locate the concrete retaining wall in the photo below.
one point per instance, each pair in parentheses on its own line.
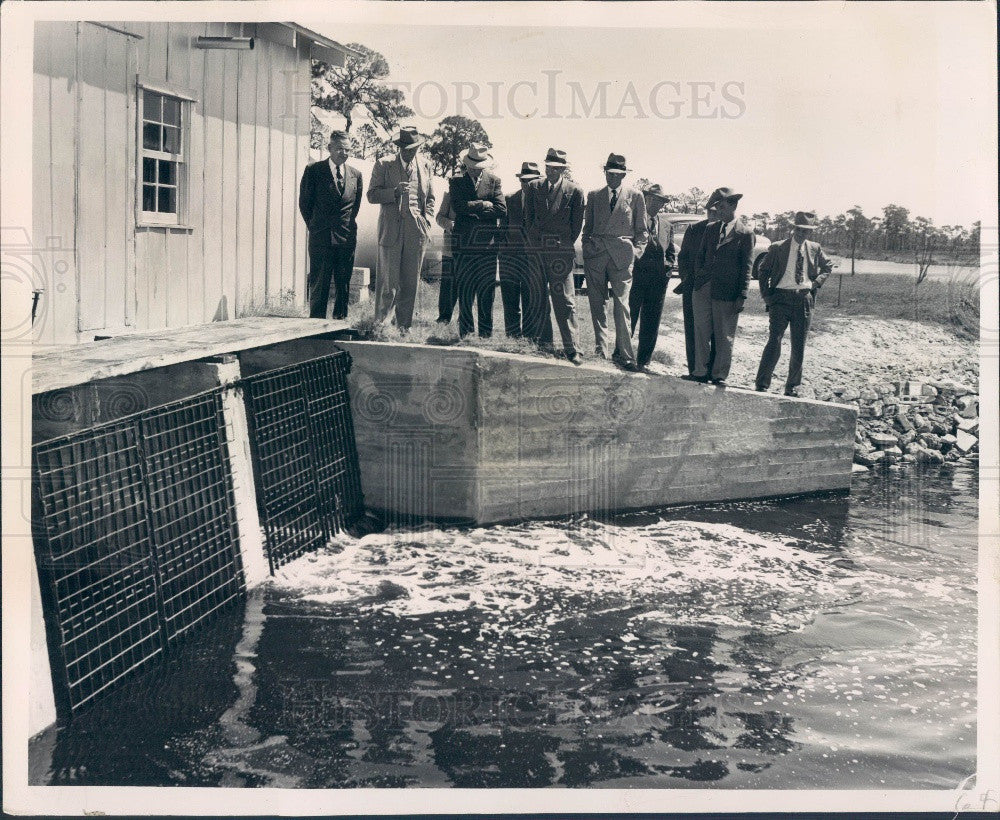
(478,436)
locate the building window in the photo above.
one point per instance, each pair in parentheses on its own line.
(163,138)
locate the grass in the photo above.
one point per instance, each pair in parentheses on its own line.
(951,303)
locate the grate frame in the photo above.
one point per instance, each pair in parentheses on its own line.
(138,542)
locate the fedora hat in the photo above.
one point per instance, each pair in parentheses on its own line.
(475,156)
(555,157)
(616,164)
(655,189)
(720,194)
(529,170)
(806,219)
(408,136)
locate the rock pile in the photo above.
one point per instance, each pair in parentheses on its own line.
(931,422)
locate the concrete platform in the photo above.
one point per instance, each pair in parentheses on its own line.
(479,437)
(65,366)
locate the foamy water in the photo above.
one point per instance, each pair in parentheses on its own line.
(702,572)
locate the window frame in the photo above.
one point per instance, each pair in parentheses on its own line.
(182,159)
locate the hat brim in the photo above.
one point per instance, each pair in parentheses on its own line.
(529,175)
(480,163)
(664,197)
(806,227)
(556,163)
(420,140)
(616,170)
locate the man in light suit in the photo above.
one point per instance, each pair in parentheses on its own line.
(553,218)
(690,245)
(722,280)
(521,285)
(651,274)
(614,236)
(478,203)
(402,186)
(791,273)
(329,199)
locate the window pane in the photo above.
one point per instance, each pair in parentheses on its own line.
(151,137)
(148,170)
(167,201)
(171,111)
(151,106)
(168,172)
(149,197)
(171,139)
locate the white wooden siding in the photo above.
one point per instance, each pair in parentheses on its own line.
(242,245)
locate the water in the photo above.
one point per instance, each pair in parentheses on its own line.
(809,643)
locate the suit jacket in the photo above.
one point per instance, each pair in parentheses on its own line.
(664,235)
(445,219)
(726,265)
(554,226)
(513,234)
(475,227)
(620,231)
(690,246)
(386,175)
(330,214)
(817,266)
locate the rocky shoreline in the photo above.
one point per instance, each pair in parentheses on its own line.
(930,422)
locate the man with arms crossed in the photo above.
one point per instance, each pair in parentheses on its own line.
(790,275)
(402,186)
(651,274)
(690,245)
(614,236)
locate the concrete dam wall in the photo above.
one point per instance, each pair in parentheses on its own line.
(478,436)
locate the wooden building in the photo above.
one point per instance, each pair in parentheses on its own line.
(166,162)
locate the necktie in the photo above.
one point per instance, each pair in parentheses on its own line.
(799,262)
(614,199)
(340,179)
(653,238)
(722,235)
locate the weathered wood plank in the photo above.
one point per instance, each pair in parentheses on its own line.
(217,305)
(195,286)
(69,365)
(243,211)
(229,164)
(118,180)
(258,195)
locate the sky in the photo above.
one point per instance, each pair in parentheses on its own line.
(801,111)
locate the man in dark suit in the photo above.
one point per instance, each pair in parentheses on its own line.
(553,218)
(478,203)
(521,286)
(720,287)
(791,273)
(650,275)
(329,199)
(690,245)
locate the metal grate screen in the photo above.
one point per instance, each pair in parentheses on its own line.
(305,458)
(96,564)
(192,510)
(140,538)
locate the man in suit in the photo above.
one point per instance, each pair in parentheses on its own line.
(553,218)
(447,292)
(690,245)
(791,273)
(721,283)
(401,185)
(329,199)
(479,205)
(521,286)
(614,236)
(651,274)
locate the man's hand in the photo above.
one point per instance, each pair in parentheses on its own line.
(739,304)
(402,190)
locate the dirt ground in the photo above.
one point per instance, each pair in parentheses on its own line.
(852,351)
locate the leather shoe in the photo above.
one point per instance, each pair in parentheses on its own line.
(575,358)
(719,382)
(689,378)
(760,389)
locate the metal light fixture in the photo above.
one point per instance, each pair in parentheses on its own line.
(245,43)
